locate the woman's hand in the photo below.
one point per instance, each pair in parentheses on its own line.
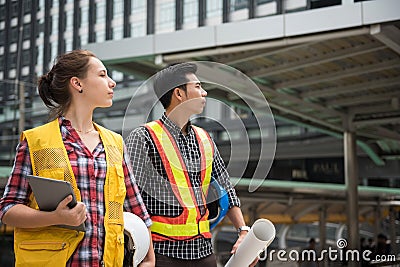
(150,258)
(67,216)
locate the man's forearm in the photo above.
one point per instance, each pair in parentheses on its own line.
(235,215)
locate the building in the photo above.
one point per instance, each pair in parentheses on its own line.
(329,69)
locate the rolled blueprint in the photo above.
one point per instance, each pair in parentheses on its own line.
(260,236)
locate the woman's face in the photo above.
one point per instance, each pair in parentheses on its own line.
(97,86)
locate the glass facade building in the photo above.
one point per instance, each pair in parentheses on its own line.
(34,32)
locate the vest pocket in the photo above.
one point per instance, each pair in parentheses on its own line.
(114,245)
(117,193)
(41,253)
(119,250)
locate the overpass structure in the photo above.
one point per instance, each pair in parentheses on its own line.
(334,69)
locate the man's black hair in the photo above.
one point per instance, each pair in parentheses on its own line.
(382,236)
(171,77)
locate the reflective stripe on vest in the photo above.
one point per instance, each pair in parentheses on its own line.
(49,159)
(190,223)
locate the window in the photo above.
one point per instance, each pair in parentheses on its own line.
(165,16)
(100,12)
(260,2)
(41,5)
(55,4)
(118,8)
(138,19)
(324,3)
(138,5)
(27,31)
(118,32)
(167,13)
(27,6)
(118,20)
(14,35)
(54,24)
(138,29)
(100,21)
(14,9)
(2,37)
(69,23)
(84,16)
(26,57)
(238,4)
(214,8)
(2,12)
(53,50)
(268,7)
(68,44)
(190,11)
(84,25)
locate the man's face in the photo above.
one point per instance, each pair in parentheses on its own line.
(194,97)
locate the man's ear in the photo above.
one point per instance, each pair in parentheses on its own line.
(177,93)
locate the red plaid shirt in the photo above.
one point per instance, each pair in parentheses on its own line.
(90,172)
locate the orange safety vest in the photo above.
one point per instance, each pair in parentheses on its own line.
(53,246)
(190,223)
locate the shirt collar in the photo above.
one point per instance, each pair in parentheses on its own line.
(172,127)
(63,121)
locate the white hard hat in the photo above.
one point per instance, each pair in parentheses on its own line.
(137,239)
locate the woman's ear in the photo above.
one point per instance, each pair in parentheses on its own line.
(75,83)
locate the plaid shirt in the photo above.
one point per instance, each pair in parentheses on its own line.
(90,172)
(156,190)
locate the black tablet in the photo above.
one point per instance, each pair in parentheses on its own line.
(50,192)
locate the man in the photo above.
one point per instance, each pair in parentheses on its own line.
(173,163)
(309,255)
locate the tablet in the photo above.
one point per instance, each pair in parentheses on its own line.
(50,192)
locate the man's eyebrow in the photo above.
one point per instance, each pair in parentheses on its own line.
(195,82)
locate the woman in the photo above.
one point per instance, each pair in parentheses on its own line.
(73,148)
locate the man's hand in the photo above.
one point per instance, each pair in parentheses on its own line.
(236,245)
(238,241)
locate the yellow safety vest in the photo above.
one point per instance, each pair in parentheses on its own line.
(190,223)
(53,246)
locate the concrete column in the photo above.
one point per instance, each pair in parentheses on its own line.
(392,214)
(253,215)
(351,182)
(322,232)
(21,121)
(377,223)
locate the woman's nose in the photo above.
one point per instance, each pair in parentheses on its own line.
(113,83)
